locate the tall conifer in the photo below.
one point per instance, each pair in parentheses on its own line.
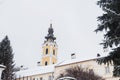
(6,58)
(110,24)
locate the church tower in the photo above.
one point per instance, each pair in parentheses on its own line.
(50,48)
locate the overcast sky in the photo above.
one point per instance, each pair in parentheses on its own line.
(26,23)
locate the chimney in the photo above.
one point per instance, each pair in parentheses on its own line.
(38,63)
(22,67)
(73,56)
(98,55)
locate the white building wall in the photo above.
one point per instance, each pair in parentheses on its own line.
(91,64)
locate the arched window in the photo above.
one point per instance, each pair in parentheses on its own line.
(46,63)
(47,51)
(53,52)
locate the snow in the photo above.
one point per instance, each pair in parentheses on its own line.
(35,71)
(46,69)
(50,68)
(78,58)
(67,78)
(112,11)
(70,61)
(1,66)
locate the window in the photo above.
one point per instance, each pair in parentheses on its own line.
(53,52)
(47,51)
(37,79)
(41,78)
(27,77)
(33,78)
(23,77)
(50,78)
(46,44)
(30,78)
(46,63)
(107,69)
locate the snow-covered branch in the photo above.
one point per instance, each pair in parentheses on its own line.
(112,11)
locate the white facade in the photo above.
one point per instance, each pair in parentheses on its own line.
(53,71)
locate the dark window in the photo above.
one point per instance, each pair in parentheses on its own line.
(50,78)
(46,63)
(46,51)
(27,77)
(53,63)
(53,52)
(41,78)
(46,44)
(30,78)
(33,78)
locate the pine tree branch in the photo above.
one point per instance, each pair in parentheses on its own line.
(108,10)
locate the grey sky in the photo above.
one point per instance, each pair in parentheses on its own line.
(26,23)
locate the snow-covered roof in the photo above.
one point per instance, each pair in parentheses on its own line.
(78,58)
(70,61)
(35,71)
(50,68)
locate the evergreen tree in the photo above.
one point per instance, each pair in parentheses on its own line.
(6,58)
(110,24)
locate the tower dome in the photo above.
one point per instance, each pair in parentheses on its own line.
(50,34)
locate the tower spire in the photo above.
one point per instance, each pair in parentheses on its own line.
(50,48)
(50,25)
(50,34)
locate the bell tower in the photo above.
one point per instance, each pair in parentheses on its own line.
(50,48)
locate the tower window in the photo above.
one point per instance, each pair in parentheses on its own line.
(53,52)
(46,63)
(46,51)
(46,44)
